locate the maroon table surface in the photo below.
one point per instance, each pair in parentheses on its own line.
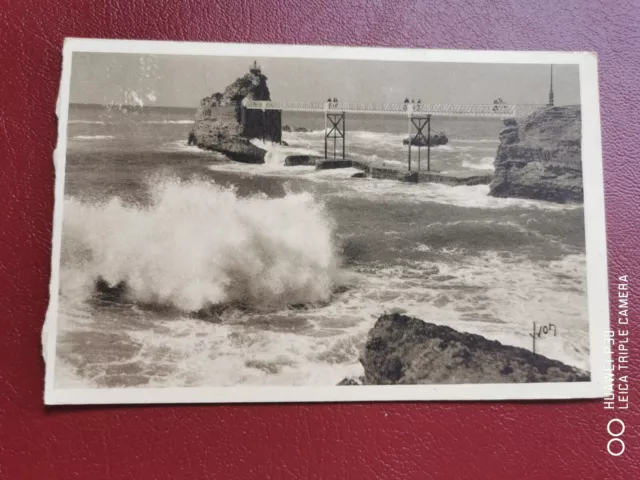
(374,441)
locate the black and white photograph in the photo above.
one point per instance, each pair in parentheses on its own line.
(261,223)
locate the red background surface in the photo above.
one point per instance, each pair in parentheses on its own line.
(373,441)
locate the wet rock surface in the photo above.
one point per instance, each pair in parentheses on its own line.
(224,126)
(540,157)
(406,350)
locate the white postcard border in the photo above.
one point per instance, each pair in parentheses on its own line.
(594,213)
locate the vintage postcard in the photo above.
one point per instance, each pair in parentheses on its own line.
(261,223)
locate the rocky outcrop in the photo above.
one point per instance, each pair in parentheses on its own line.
(394,173)
(435,140)
(223,125)
(349,381)
(540,157)
(330,163)
(287,128)
(300,160)
(404,350)
(455,179)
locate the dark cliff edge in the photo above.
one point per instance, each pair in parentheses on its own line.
(402,350)
(540,158)
(222,125)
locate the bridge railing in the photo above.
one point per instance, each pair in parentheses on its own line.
(409,109)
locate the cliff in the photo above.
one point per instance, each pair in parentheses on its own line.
(540,157)
(222,125)
(405,350)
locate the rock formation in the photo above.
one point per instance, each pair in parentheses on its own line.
(352,381)
(222,125)
(300,160)
(434,139)
(331,163)
(404,350)
(540,157)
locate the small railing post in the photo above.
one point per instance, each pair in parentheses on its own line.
(428,143)
(533,335)
(344,132)
(335,136)
(410,139)
(326,117)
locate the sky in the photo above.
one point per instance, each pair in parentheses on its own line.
(182,80)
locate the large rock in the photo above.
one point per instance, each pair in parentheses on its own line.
(540,157)
(300,160)
(434,139)
(405,350)
(330,163)
(223,125)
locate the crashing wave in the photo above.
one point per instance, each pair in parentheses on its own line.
(198,245)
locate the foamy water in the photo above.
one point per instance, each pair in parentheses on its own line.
(486,163)
(304,267)
(474,196)
(169,122)
(94,137)
(199,245)
(277,154)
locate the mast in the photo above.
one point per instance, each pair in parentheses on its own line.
(550,104)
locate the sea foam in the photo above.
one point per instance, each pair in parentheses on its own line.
(197,244)
(94,137)
(277,154)
(486,163)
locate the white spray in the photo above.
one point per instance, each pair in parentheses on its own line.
(198,244)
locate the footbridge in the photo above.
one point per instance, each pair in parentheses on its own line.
(418,117)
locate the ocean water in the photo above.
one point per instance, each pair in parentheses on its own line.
(299,263)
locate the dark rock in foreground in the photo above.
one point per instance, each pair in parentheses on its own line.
(105,291)
(405,350)
(540,157)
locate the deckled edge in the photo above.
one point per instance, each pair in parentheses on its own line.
(59,161)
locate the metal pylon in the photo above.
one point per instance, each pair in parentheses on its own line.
(337,130)
(419,122)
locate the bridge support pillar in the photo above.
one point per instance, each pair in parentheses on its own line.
(337,130)
(419,123)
